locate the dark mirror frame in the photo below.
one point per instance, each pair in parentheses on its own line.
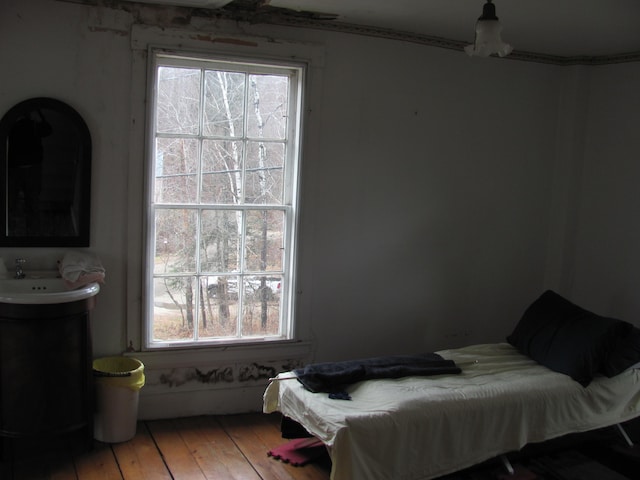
(67,124)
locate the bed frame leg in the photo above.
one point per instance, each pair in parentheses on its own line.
(624,435)
(507,464)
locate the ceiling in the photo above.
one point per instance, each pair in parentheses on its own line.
(566,28)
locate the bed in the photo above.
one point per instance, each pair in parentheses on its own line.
(506,396)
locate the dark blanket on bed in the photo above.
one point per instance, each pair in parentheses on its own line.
(334,376)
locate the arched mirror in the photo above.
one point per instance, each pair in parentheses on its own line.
(45,164)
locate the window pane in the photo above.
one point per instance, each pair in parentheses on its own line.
(265,173)
(221,171)
(175,241)
(261,308)
(224,104)
(177,102)
(264,240)
(173,308)
(267,110)
(219,310)
(220,240)
(176,169)
(221,174)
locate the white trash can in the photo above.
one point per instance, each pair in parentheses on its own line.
(117,381)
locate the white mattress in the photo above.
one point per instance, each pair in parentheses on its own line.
(424,427)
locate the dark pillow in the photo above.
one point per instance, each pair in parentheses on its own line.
(625,353)
(567,338)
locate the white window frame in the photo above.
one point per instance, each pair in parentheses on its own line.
(290,205)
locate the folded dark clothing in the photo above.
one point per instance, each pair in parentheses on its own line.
(334,376)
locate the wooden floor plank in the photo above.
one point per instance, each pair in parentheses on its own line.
(49,467)
(175,452)
(255,435)
(243,434)
(98,464)
(215,452)
(62,471)
(272,437)
(139,458)
(54,460)
(197,448)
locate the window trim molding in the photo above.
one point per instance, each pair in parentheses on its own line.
(221,44)
(188,357)
(158,57)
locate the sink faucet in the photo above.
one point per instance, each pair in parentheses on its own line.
(19,272)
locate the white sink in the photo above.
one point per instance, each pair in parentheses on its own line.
(42,290)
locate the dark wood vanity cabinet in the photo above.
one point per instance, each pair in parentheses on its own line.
(46,378)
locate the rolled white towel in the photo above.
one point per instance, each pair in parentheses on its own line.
(80,268)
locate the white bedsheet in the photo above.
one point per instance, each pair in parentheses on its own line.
(424,427)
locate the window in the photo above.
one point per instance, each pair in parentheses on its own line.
(222,200)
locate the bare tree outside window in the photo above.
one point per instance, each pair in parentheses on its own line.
(221,200)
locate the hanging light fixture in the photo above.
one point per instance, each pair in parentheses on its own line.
(488,40)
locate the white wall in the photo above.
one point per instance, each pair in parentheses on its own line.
(607,247)
(440,192)
(430,205)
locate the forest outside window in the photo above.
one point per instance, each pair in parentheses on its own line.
(222,200)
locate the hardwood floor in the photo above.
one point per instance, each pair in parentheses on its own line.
(230,447)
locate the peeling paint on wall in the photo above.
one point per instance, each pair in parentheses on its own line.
(216,375)
(121,33)
(176,377)
(221,376)
(256,372)
(231,41)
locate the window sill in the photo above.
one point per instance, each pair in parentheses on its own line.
(177,358)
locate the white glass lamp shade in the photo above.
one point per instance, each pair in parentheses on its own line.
(488,40)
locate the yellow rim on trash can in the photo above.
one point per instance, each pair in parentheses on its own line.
(119,371)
